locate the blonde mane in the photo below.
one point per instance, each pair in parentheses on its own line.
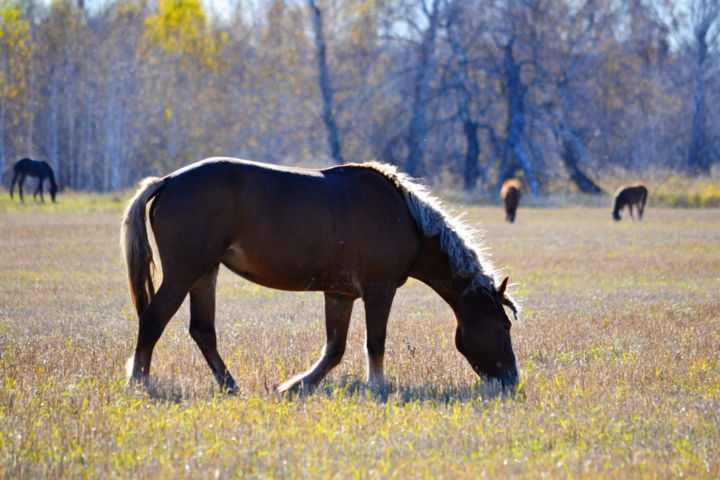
(467,255)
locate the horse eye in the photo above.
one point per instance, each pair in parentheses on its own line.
(499,364)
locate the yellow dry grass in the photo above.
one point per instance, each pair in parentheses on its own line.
(618,346)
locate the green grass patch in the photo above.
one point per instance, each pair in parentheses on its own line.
(67,202)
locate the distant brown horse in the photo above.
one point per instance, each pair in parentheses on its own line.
(352,231)
(33,168)
(511,193)
(629,195)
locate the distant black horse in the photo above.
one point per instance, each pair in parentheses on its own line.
(39,169)
(629,195)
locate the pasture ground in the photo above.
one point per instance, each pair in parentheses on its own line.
(618,345)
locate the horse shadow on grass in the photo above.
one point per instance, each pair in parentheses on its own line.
(428,392)
(178,390)
(175,390)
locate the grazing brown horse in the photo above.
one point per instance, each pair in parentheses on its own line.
(33,168)
(629,195)
(510,193)
(351,231)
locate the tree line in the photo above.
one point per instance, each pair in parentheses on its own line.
(474,91)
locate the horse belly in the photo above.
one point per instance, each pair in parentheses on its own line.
(339,263)
(279,271)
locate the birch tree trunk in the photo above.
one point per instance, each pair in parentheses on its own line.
(2,138)
(418,133)
(53,138)
(514,154)
(324,84)
(464,98)
(701,153)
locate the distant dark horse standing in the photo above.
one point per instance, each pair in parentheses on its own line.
(351,231)
(511,193)
(33,168)
(629,195)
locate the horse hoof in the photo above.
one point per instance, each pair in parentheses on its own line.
(295,386)
(288,387)
(231,390)
(133,385)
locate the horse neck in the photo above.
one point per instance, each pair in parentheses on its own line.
(618,204)
(51,177)
(44,170)
(432,267)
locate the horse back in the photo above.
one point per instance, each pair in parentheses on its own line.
(286,227)
(34,168)
(24,165)
(633,193)
(511,187)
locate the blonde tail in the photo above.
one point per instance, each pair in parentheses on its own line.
(136,246)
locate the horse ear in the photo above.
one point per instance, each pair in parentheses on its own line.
(509,303)
(502,287)
(506,300)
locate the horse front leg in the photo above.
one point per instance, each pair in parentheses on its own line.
(202,328)
(377,312)
(338,309)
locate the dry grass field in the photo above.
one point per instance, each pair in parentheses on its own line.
(618,345)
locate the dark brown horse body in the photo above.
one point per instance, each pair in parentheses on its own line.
(630,195)
(353,231)
(33,168)
(511,193)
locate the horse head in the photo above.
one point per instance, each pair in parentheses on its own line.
(53,191)
(483,334)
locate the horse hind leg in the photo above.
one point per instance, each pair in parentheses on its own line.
(40,191)
(202,328)
(338,309)
(152,322)
(12,184)
(20,187)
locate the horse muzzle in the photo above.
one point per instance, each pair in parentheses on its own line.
(509,379)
